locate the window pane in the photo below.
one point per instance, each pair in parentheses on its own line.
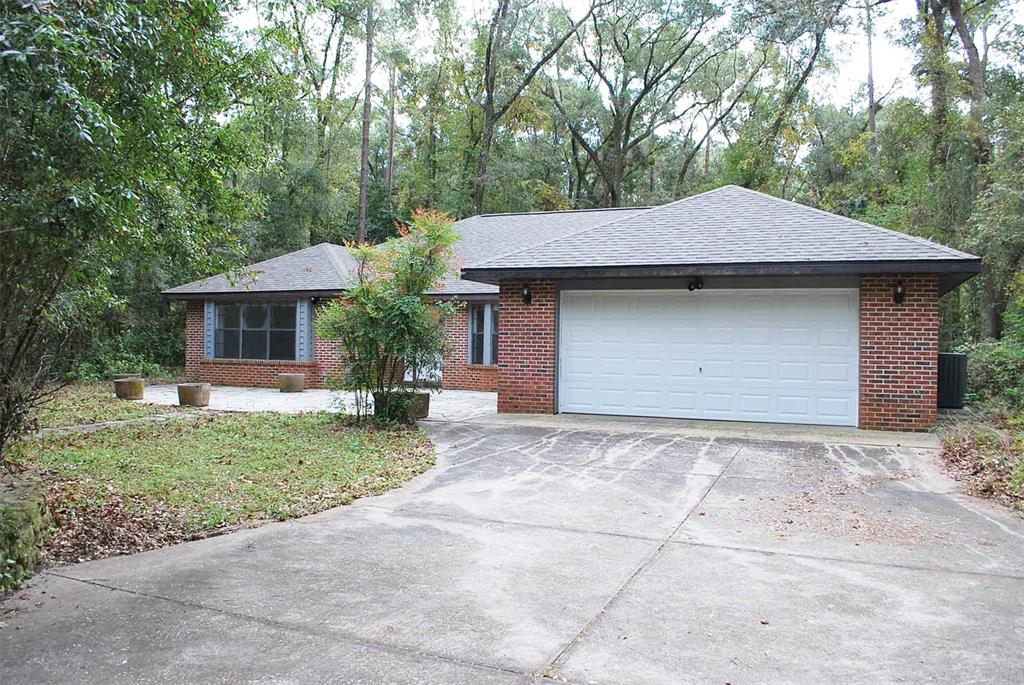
(476,334)
(282,344)
(494,336)
(282,316)
(476,352)
(226,344)
(227,315)
(254,316)
(254,344)
(477,315)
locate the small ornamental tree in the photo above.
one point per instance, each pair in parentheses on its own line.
(385,323)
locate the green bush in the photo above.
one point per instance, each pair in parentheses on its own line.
(995,372)
(104,360)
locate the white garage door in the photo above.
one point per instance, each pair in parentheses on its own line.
(782,355)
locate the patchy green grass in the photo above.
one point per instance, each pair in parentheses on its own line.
(141,486)
(83,403)
(987,453)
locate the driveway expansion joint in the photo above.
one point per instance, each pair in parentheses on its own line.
(559,658)
(290,627)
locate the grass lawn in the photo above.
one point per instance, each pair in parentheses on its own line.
(82,403)
(141,486)
(987,453)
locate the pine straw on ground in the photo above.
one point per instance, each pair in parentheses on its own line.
(986,453)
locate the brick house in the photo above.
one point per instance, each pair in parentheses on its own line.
(730,304)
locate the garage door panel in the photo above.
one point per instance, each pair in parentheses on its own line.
(765,355)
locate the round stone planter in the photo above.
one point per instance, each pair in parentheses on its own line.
(122,376)
(129,388)
(194,394)
(291,382)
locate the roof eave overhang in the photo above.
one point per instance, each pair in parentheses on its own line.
(952,272)
(251,295)
(468,297)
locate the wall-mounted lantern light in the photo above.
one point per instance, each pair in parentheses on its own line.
(696,284)
(527,294)
(899,292)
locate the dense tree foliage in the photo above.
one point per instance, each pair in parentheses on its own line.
(147,143)
(117,149)
(520,106)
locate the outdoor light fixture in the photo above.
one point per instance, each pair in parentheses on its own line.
(696,284)
(527,294)
(899,292)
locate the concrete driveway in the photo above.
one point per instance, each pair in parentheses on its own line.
(586,551)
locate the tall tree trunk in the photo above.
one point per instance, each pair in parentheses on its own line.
(976,77)
(869,30)
(993,299)
(390,173)
(493,110)
(364,158)
(482,162)
(934,18)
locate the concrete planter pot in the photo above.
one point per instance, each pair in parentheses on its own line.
(122,376)
(291,382)
(401,407)
(194,394)
(129,388)
(420,405)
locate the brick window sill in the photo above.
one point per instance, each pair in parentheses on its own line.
(482,366)
(260,362)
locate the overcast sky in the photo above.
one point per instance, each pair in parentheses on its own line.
(850,53)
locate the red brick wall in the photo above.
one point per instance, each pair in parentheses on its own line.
(330,364)
(899,353)
(527,348)
(194,343)
(457,373)
(254,373)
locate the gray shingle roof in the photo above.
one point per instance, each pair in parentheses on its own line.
(730,225)
(324,267)
(488,236)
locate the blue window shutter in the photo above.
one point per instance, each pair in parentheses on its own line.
(209,322)
(303,330)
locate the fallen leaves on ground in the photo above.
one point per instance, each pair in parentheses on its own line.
(987,455)
(139,487)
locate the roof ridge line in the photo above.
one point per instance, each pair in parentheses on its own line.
(906,236)
(593,228)
(560,211)
(333,259)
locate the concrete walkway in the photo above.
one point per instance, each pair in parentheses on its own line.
(582,553)
(446,405)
